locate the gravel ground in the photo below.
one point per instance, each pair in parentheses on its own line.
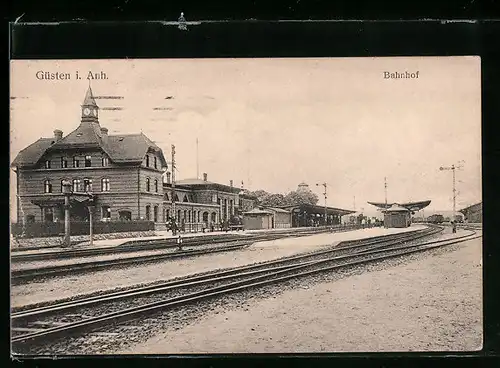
(425,302)
(373,318)
(80,284)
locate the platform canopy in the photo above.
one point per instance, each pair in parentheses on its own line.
(411,206)
(318,209)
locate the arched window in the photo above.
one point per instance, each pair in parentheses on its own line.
(156,186)
(105,161)
(147,185)
(47,185)
(64,162)
(76,162)
(77,183)
(147,160)
(88,161)
(106,213)
(148,212)
(155,162)
(47,164)
(155,214)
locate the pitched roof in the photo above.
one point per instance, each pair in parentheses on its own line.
(193,181)
(130,147)
(120,148)
(275,209)
(87,133)
(31,154)
(257,211)
(396,208)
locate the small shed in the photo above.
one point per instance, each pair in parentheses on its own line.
(282,218)
(397,216)
(258,219)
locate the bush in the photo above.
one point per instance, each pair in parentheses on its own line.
(45,229)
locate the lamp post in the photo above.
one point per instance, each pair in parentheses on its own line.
(66,189)
(91,207)
(326,212)
(453,168)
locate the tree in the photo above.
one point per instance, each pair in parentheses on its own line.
(273,200)
(297,198)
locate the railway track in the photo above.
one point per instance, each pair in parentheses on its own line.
(27,274)
(154,244)
(46,323)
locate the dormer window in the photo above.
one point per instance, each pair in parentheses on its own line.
(76,162)
(147,160)
(47,164)
(155,162)
(64,162)
(47,185)
(105,161)
(88,161)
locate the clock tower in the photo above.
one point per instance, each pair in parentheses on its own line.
(90,110)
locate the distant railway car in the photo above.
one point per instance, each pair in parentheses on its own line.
(435,219)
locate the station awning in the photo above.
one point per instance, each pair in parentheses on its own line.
(310,209)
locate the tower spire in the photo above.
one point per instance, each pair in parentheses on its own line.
(89,98)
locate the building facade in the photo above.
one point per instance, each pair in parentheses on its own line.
(126,176)
(123,173)
(474,213)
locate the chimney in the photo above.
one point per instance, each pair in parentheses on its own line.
(104,133)
(204,176)
(58,134)
(231,183)
(168,177)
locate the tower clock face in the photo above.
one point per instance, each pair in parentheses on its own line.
(86,111)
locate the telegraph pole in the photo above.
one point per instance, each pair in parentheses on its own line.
(385,190)
(453,168)
(324,193)
(197,161)
(385,207)
(174,221)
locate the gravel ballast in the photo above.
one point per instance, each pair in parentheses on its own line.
(429,301)
(80,284)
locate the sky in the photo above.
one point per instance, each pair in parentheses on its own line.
(273,123)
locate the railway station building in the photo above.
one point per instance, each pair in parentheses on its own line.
(125,175)
(474,213)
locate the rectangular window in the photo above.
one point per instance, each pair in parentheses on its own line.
(155,214)
(88,161)
(76,162)
(105,187)
(87,185)
(47,186)
(156,186)
(155,162)
(147,185)
(148,213)
(64,162)
(47,164)
(105,161)
(147,160)
(76,185)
